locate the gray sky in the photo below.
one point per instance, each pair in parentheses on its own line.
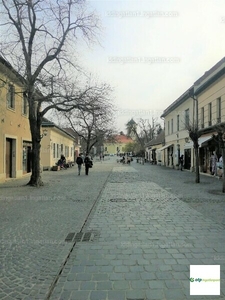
(153,51)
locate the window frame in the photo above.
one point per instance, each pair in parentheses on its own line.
(10,96)
(202,117)
(210,114)
(187,117)
(178,122)
(25,105)
(218,109)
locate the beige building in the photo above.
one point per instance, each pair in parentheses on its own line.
(15,136)
(176,117)
(153,151)
(202,104)
(55,141)
(209,91)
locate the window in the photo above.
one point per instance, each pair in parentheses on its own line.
(178,122)
(57,150)
(25,104)
(66,151)
(106,148)
(210,114)
(171,125)
(11,96)
(218,110)
(187,117)
(61,148)
(168,127)
(71,153)
(202,117)
(54,150)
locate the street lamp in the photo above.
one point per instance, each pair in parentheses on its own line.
(44,133)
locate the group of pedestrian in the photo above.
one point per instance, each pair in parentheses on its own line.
(87,162)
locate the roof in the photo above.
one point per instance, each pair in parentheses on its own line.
(47,123)
(71,131)
(6,64)
(178,102)
(123,139)
(210,76)
(159,139)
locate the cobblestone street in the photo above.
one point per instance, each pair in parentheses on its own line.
(34,224)
(148,225)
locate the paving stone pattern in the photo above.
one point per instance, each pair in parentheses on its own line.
(34,224)
(149,237)
(149,224)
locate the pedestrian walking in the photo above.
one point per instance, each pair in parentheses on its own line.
(213,161)
(88,164)
(79,162)
(181,162)
(220,170)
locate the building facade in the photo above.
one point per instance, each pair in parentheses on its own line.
(15,136)
(209,91)
(55,142)
(202,105)
(152,149)
(118,146)
(177,117)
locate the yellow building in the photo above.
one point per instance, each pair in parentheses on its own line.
(15,136)
(55,141)
(118,145)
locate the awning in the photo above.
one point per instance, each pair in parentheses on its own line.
(204,139)
(167,146)
(201,141)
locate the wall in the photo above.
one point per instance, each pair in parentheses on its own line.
(13,124)
(57,137)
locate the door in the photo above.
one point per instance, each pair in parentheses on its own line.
(8,161)
(187,159)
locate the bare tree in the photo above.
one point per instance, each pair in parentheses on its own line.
(37,39)
(194,135)
(94,123)
(143,131)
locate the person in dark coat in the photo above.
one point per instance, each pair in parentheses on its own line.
(181,162)
(79,162)
(87,163)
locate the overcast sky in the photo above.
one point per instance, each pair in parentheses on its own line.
(153,51)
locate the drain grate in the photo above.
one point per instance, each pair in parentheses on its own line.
(87,236)
(69,237)
(78,237)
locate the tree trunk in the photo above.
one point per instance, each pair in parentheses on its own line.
(197,174)
(35,127)
(35,179)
